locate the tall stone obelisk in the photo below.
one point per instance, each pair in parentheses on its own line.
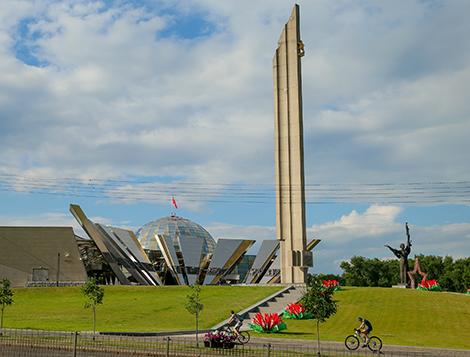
(289,153)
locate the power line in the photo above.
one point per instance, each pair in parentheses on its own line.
(438,192)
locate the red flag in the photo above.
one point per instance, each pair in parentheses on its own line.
(173,202)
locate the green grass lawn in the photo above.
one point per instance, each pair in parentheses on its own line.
(136,309)
(399,316)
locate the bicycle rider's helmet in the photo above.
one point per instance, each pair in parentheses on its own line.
(360,318)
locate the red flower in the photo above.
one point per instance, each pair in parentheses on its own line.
(266,321)
(295,309)
(428,284)
(330,283)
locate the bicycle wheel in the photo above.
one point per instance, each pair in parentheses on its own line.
(243,337)
(375,344)
(351,342)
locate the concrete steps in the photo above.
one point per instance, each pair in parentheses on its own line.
(274,305)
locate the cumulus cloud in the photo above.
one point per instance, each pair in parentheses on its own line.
(225,230)
(254,232)
(379,96)
(51,219)
(133,103)
(365,234)
(109,90)
(59,219)
(356,233)
(374,222)
(46,219)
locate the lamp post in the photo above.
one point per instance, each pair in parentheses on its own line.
(58,269)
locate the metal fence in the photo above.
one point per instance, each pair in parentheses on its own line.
(24,343)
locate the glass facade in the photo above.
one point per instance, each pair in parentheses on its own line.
(177,228)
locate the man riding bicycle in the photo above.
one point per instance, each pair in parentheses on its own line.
(364,329)
(235,322)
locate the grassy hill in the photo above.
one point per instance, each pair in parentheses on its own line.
(399,316)
(127,308)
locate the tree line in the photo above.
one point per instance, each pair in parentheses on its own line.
(452,275)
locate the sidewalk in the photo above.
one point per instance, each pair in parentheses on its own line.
(406,350)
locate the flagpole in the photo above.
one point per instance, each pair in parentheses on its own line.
(174,204)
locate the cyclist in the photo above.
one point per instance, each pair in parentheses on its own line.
(236,322)
(364,329)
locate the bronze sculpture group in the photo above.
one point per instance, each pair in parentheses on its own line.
(402,254)
(407,277)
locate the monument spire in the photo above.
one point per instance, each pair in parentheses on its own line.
(289,153)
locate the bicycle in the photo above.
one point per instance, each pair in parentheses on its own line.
(352,342)
(242,337)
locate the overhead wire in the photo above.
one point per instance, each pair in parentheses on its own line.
(437,192)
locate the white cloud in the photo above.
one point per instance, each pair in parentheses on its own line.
(364,234)
(225,230)
(134,102)
(230,231)
(375,221)
(352,234)
(56,219)
(50,219)
(385,100)
(46,220)
(385,89)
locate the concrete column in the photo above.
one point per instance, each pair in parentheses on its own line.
(289,161)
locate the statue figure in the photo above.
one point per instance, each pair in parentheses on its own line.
(402,254)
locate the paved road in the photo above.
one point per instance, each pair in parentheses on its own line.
(338,348)
(386,350)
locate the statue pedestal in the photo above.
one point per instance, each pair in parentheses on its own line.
(401,286)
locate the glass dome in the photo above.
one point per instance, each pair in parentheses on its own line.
(176,228)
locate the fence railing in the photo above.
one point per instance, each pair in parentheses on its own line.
(24,343)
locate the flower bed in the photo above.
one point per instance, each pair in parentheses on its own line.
(331,284)
(296,311)
(219,339)
(429,285)
(468,291)
(267,323)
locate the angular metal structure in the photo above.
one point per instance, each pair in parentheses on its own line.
(168,250)
(191,251)
(289,161)
(272,274)
(227,254)
(120,249)
(141,268)
(263,260)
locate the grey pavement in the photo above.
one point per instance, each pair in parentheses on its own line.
(335,348)
(386,349)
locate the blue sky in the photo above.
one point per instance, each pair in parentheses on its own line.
(118,105)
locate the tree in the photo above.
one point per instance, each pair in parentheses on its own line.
(194,306)
(452,275)
(6,298)
(362,271)
(94,296)
(318,300)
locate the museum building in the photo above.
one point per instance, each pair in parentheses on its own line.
(168,251)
